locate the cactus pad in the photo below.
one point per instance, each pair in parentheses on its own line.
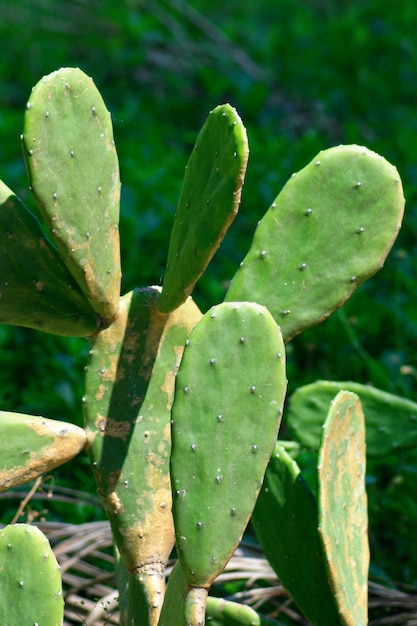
(74,175)
(208,202)
(183,605)
(391,421)
(30,580)
(32,446)
(328,231)
(129,392)
(343,516)
(226,413)
(36,289)
(222,612)
(285,522)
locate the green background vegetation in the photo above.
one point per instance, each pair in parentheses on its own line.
(304,75)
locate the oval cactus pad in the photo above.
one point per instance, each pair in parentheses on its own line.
(30,579)
(74,175)
(343,515)
(391,421)
(227,407)
(33,445)
(328,231)
(208,203)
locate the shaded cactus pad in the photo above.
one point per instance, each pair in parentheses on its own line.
(37,290)
(285,520)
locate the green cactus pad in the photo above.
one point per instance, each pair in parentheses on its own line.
(183,604)
(343,516)
(36,288)
(30,579)
(285,521)
(208,202)
(129,392)
(328,231)
(226,413)
(74,175)
(391,421)
(222,612)
(32,446)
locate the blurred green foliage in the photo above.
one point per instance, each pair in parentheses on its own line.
(303,76)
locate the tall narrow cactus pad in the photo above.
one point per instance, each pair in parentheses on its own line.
(74,174)
(391,421)
(208,202)
(30,580)
(36,288)
(226,413)
(129,392)
(32,446)
(343,518)
(285,521)
(328,231)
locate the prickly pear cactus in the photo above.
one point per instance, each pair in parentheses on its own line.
(328,231)
(319,549)
(37,290)
(343,515)
(30,579)
(32,446)
(74,175)
(391,421)
(129,392)
(285,520)
(208,202)
(225,418)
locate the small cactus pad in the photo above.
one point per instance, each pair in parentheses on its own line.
(328,231)
(225,418)
(183,605)
(343,516)
(30,579)
(36,288)
(391,421)
(129,393)
(32,446)
(208,202)
(220,612)
(74,175)
(285,521)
